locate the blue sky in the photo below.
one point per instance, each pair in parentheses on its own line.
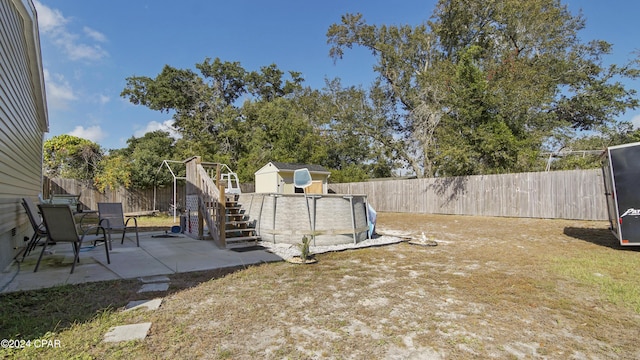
(89,48)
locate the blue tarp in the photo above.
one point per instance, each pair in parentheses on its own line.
(372,219)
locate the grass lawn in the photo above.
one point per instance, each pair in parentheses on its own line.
(145,223)
(492,288)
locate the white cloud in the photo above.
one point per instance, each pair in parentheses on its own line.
(81,51)
(59,92)
(103,99)
(49,20)
(93,133)
(94,34)
(635,121)
(167,126)
(53,24)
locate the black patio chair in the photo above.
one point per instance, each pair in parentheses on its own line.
(39,230)
(61,227)
(112,219)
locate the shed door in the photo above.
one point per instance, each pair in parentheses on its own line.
(315,187)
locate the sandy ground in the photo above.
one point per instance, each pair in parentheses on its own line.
(491,288)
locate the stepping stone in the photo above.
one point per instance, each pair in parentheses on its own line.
(127,332)
(154,287)
(154,279)
(141,304)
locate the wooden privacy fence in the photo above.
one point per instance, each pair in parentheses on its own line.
(574,194)
(133,200)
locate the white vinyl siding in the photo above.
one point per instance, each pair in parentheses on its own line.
(22,122)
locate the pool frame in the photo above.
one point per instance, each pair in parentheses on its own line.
(329,219)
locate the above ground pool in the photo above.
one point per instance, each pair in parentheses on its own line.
(330,219)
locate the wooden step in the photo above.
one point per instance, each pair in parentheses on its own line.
(239,222)
(238,234)
(239,230)
(242,239)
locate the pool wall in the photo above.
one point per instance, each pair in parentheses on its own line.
(285,218)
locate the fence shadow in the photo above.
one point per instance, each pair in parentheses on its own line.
(602,237)
(449,188)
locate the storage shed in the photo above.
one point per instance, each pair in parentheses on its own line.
(277,177)
(23,122)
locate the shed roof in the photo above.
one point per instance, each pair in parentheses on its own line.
(293,167)
(281,166)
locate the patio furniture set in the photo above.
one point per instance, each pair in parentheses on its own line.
(56,220)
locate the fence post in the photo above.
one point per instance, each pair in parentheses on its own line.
(221,219)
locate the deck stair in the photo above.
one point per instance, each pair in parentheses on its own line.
(239,229)
(214,190)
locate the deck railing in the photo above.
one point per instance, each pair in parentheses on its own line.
(211,198)
(213,206)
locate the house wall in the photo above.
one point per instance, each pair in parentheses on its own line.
(270,179)
(267,182)
(23,121)
(287,182)
(316,187)
(319,185)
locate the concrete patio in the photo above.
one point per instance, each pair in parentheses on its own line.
(157,255)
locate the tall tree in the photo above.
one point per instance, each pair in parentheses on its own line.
(136,165)
(482,86)
(71,157)
(205,105)
(359,131)
(275,131)
(409,89)
(145,155)
(114,170)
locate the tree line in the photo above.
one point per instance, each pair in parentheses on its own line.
(481,87)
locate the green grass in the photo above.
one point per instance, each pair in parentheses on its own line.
(79,315)
(157,221)
(614,273)
(145,223)
(33,314)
